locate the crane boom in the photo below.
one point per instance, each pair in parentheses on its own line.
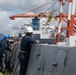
(27,15)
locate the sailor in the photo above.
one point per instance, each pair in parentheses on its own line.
(5,46)
(11,40)
(13,44)
(12,36)
(1,55)
(25,47)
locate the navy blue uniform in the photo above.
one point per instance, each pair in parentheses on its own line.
(23,56)
(1,55)
(5,54)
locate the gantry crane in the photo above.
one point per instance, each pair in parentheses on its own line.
(70,20)
(44,14)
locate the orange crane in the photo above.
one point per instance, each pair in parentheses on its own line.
(27,15)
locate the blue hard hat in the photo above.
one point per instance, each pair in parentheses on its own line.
(9,36)
(5,37)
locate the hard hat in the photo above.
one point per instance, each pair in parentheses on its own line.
(28,29)
(13,35)
(5,37)
(9,36)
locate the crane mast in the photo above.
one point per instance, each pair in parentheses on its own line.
(70,20)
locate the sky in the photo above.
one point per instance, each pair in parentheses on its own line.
(11,7)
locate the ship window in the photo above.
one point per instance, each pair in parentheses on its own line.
(36,24)
(35,28)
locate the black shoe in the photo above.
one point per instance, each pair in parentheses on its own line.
(0,69)
(3,70)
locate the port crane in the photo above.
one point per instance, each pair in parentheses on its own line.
(70,21)
(61,17)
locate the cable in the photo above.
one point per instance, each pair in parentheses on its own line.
(51,7)
(41,6)
(37,8)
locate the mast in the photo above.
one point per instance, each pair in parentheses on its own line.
(70,41)
(60,20)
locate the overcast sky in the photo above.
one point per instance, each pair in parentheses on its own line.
(10,7)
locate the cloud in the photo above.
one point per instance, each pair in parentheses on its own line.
(23,5)
(8,26)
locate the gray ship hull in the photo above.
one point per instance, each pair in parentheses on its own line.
(51,60)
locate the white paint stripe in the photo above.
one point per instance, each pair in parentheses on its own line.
(61,8)
(59,28)
(74,25)
(69,11)
(73,7)
(74,29)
